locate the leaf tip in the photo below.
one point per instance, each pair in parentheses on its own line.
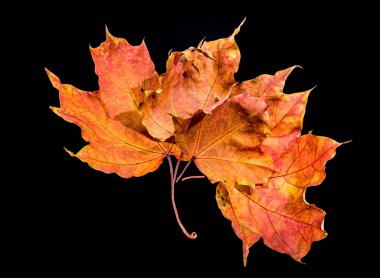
(55,81)
(49,73)
(108,34)
(307,92)
(237,30)
(301,262)
(201,43)
(286,72)
(69,152)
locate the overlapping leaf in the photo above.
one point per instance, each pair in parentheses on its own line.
(225,145)
(114,147)
(286,111)
(196,79)
(277,211)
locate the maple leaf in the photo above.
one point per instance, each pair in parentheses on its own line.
(126,75)
(225,145)
(286,111)
(277,211)
(114,147)
(196,79)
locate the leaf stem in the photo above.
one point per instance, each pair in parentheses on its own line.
(170,167)
(176,168)
(183,171)
(173,181)
(193,177)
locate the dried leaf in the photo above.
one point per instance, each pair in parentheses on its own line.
(196,79)
(114,147)
(277,211)
(265,84)
(286,111)
(247,236)
(126,73)
(225,145)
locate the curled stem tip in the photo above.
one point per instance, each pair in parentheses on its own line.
(173,175)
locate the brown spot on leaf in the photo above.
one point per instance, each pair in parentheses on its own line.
(243,188)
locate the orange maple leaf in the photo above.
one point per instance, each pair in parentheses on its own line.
(196,79)
(286,111)
(277,211)
(225,145)
(126,74)
(114,147)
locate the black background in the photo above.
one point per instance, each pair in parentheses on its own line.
(91,222)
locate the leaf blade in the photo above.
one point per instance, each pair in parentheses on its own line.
(196,79)
(113,147)
(277,211)
(125,73)
(225,144)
